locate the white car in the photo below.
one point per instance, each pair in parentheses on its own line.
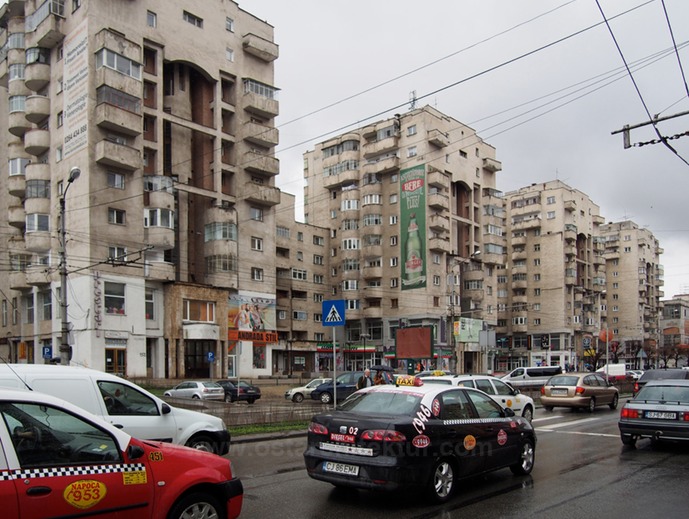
(501,392)
(297,394)
(197,389)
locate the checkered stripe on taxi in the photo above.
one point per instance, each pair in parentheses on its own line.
(465,421)
(71,471)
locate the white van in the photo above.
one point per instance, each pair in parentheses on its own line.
(121,403)
(531,376)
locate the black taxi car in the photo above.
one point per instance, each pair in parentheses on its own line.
(414,435)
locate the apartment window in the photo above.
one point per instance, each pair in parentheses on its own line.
(115,180)
(551,215)
(16,71)
(4,312)
(47,301)
(229,54)
(229,24)
(318,240)
(28,304)
(537,322)
(37,222)
(411,130)
(411,151)
(37,189)
(107,58)
(318,298)
(116,216)
(282,314)
(393,240)
(537,277)
(627,249)
(350,284)
(199,311)
(615,308)
(550,200)
(372,199)
(393,198)
(349,205)
(221,263)
(318,279)
(256,243)
(150,304)
(299,316)
(76,4)
(159,218)
(114,297)
(352,304)
(537,247)
(317,318)
(220,231)
(519,321)
(393,261)
(256,213)
(333,213)
(151,19)
(436,280)
(256,274)
(350,244)
(436,259)
(194,20)
(537,291)
(393,219)
(283,232)
(317,259)
(300,236)
(299,274)
(17,104)
(117,254)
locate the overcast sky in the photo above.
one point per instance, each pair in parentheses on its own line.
(549,113)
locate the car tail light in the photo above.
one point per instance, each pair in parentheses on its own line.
(317,428)
(685,417)
(543,390)
(579,390)
(383,435)
(636,387)
(630,413)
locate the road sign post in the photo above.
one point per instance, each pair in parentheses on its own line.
(333,313)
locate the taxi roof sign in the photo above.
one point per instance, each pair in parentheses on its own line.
(408,381)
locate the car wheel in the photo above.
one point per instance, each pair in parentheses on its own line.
(527,457)
(442,481)
(298,398)
(528,413)
(195,397)
(201,443)
(615,400)
(198,505)
(628,439)
(326,398)
(592,405)
(549,408)
(251,400)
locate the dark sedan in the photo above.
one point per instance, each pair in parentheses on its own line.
(660,374)
(660,411)
(240,391)
(425,436)
(346,385)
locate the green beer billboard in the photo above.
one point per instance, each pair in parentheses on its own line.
(413,226)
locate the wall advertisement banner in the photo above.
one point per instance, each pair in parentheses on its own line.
(413,226)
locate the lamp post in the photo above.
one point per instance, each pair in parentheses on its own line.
(64,337)
(365,336)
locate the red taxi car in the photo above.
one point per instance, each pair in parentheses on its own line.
(57,460)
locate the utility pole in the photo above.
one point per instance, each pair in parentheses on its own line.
(64,337)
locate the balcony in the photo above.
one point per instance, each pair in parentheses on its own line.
(37,108)
(16,185)
(17,124)
(439,245)
(161,238)
(223,280)
(439,223)
(438,201)
(348,177)
(492,165)
(111,117)
(372,251)
(380,147)
(37,141)
(372,312)
(260,134)
(256,162)
(262,106)
(262,195)
(529,223)
(372,272)
(44,25)
(373,292)
(18,280)
(113,154)
(38,171)
(260,47)
(37,241)
(570,205)
(438,179)
(383,165)
(16,216)
(36,76)
(159,271)
(37,275)
(438,138)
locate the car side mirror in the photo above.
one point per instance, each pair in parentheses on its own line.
(165,409)
(509,413)
(135,452)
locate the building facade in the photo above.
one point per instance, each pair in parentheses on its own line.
(170,227)
(409,200)
(674,329)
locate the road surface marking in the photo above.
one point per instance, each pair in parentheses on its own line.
(566,424)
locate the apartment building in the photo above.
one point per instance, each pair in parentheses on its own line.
(551,291)
(170,227)
(633,291)
(674,328)
(408,200)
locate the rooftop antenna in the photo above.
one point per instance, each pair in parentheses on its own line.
(412,100)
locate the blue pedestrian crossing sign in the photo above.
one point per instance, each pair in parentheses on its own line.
(333,312)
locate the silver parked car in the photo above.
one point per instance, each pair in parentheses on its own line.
(197,389)
(297,394)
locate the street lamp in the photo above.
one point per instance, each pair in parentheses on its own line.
(365,336)
(64,340)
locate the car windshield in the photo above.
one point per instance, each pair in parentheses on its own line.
(563,380)
(210,384)
(664,394)
(378,402)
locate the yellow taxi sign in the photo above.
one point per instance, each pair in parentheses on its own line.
(408,380)
(85,493)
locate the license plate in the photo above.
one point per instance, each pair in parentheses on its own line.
(661,416)
(341,468)
(558,392)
